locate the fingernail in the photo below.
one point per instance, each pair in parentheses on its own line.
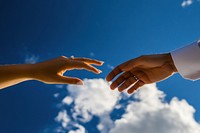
(79,83)
(102,62)
(107,79)
(99,71)
(129,92)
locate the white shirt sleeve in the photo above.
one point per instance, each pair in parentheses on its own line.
(187,60)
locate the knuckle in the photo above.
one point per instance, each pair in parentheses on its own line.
(62,57)
(127,74)
(125,85)
(132,79)
(129,81)
(140,74)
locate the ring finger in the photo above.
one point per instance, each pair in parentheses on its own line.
(130,81)
(120,80)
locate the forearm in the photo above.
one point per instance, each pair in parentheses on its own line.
(14,74)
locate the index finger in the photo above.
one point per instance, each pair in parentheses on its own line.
(117,70)
(83,65)
(90,61)
(113,73)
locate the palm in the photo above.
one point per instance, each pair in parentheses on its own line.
(156,74)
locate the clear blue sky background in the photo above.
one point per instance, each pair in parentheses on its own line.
(114,30)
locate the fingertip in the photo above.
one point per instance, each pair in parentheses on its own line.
(99,63)
(93,69)
(99,71)
(112,87)
(108,78)
(120,90)
(80,83)
(69,80)
(130,91)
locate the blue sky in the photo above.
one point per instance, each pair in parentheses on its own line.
(112,31)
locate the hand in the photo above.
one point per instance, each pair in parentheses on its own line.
(142,70)
(52,71)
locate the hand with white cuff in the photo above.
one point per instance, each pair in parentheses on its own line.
(143,70)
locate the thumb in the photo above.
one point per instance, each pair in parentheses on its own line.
(127,66)
(69,80)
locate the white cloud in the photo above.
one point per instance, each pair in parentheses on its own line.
(56,95)
(118,106)
(94,97)
(150,114)
(186,3)
(146,111)
(105,123)
(31,59)
(63,118)
(80,129)
(67,100)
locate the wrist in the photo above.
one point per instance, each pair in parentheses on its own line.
(27,71)
(19,71)
(32,71)
(171,62)
(23,71)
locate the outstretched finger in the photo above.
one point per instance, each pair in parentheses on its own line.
(126,66)
(141,75)
(134,63)
(129,82)
(136,86)
(68,80)
(83,65)
(90,61)
(119,80)
(113,73)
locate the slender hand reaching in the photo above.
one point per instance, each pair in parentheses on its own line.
(142,70)
(50,72)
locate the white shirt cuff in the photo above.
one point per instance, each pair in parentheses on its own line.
(187,60)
